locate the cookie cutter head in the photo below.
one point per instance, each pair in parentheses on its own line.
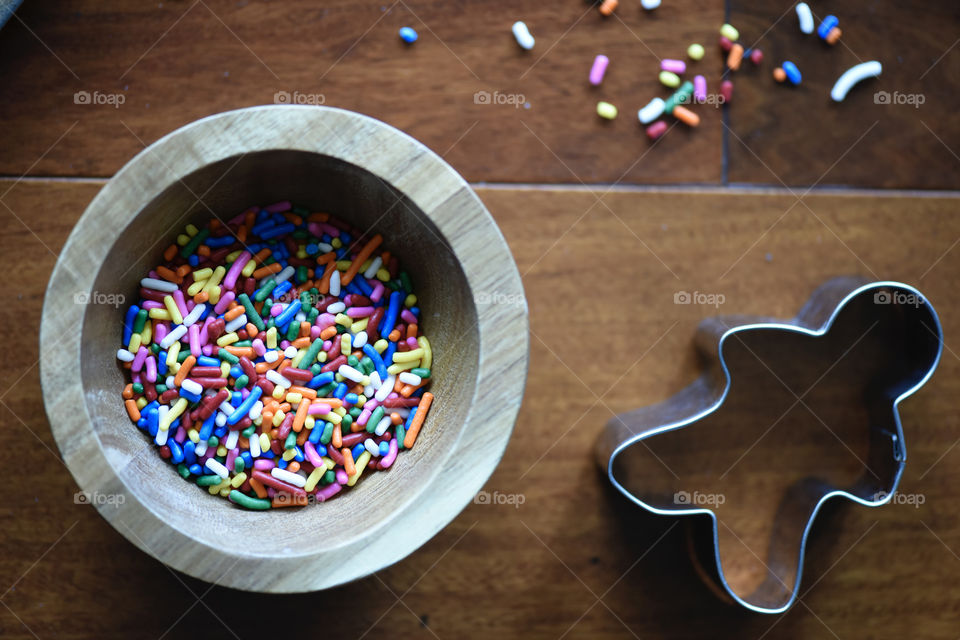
(786,415)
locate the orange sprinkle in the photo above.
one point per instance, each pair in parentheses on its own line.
(203,250)
(301,416)
(327,258)
(170,252)
(201,297)
(168,274)
(324,285)
(394,336)
(263,272)
(293,466)
(252,331)
(337,438)
(234,313)
(301,343)
(183,270)
(318,217)
(417,421)
(132,410)
(328,333)
(241,351)
(348,465)
(127,391)
(258,487)
(365,253)
(411,331)
(184,370)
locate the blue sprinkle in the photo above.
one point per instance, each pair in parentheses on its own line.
(793,74)
(408,35)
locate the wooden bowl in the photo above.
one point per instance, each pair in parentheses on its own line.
(364,172)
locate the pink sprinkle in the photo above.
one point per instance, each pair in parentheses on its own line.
(312,454)
(408,316)
(139,359)
(359,312)
(675,66)
(231,457)
(364,416)
(264,464)
(388,459)
(180,302)
(279,207)
(230,280)
(325,320)
(319,409)
(315,332)
(224,303)
(204,336)
(377,293)
(207,349)
(330,490)
(700,89)
(152,304)
(194,333)
(315,228)
(160,332)
(180,435)
(151,369)
(276,310)
(258,347)
(342,478)
(598,69)
(412,343)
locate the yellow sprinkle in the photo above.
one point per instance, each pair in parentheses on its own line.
(289,454)
(294,398)
(359,325)
(161,314)
(238,480)
(344,320)
(141,402)
(297,358)
(264,442)
(135,341)
(196,287)
(383,275)
(248,269)
(192,230)
(183,239)
(314,478)
(330,464)
(345,340)
(279,415)
(410,300)
(172,309)
(380,345)
(272,338)
(408,356)
(278,392)
(309,423)
(233,255)
(400,367)
(227,338)
(427,358)
(172,354)
(221,451)
(224,370)
(194,435)
(336,243)
(202,274)
(147,333)
(360,464)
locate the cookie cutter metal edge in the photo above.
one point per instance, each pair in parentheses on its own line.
(815,318)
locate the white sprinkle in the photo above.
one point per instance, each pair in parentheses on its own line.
(158,285)
(232,439)
(256,410)
(290,478)
(284,275)
(335,283)
(124,356)
(226,407)
(278,379)
(170,382)
(336,307)
(372,447)
(350,373)
(201,448)
(271,356)
(217,468)
(194,314)
(324,247)
(191,386)
(373,268)
(382,427)
(359,340)
(178,332)
(162,436)
(805,16)
(375,382)
(255,447)
(237,323)
(385,389)
(221,418)
(649,4)
(409,378)
(522,34)
(290,352)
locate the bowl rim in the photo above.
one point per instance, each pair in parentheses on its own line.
(414,171)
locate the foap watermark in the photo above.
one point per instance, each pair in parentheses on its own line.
(98,297)
(497,297)
(699,297)
(711,99)
(899,297)
(98,499)
(697,499)
(896,98)
(297,97)
(485,97)
(497,498)
(912,499)
(99,98)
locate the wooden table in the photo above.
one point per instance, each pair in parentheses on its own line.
(695,212)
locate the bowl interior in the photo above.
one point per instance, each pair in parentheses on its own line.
(361,199)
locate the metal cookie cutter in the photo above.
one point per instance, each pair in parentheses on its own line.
(811,414)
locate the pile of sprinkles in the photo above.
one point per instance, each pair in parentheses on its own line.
(275,358)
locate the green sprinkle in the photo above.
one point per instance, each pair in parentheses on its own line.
(346,422)
(137,387)
(160,388)
(329,476)
(352,361)
(242,382)
(249,431)
(238,465)
(195,242)
(405,281)
(311,355)
(291,441)
(245,501)
(400,432)
(293,330)
(226,356)
(375,419)
(265,289)
(420,371)
(252,316)
(183,471)
(209,480)
(140,320)
(214,442)
(327,433)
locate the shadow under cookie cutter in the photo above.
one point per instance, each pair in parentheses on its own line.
(904,328)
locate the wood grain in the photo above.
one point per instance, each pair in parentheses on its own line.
(798,136)
(590,273)
(177,61)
